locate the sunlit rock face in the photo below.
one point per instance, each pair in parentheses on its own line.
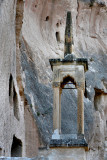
(11,123)
(43,38)
(91,25)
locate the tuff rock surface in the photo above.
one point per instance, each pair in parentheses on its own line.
(25,51)
(42,21)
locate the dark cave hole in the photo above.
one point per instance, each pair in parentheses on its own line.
(0,151)
(10,89)
(97,96)
(16,149)
(58,36)
(57,24)
(47,18)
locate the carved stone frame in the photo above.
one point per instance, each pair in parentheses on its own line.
(76,72)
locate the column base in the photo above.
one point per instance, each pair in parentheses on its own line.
(67,154)
(56,134)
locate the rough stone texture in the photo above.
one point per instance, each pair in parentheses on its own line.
(68,154)
(57,154)
(43,21)
(67,143)
(31,134)
(9,125)
(38,96)
(12,119)
(24,158)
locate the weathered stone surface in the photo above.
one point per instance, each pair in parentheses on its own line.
(9,124)
(90,38)
(13,123)
(67,143)
(68,154)
(43,31)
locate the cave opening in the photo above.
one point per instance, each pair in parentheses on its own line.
(47,18)
(0,151)
(58,36)
(16,149)
(57,24)
(97,96)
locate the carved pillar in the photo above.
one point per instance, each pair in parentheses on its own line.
(56,111)
(80,111)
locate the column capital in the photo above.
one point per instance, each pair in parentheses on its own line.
(56,84)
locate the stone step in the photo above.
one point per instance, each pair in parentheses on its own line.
(17,158)
(22,158)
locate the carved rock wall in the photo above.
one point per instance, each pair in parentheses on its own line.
(15,133)
(10,124)
(43,37)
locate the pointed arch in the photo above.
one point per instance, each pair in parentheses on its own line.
(66,79)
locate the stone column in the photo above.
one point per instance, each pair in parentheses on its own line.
(56,111)
(80,111)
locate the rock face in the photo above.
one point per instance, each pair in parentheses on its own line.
(43,37)
(25,85)
(9,99)
(14,131)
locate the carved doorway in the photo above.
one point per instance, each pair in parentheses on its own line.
(69,106)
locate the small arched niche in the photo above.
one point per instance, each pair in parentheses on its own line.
(58,36)
(16,149)
(47,18)
(0,151)
(68,80)
(69,106)
(13,97)
(10,89)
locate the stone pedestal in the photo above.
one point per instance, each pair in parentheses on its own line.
(67,154)
(63,142)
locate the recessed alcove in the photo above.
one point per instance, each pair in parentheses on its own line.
(47,18)
(16,149)
(57,24)
(10,89)
(97,99)
(58,36)
(13,97)
(0,151)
